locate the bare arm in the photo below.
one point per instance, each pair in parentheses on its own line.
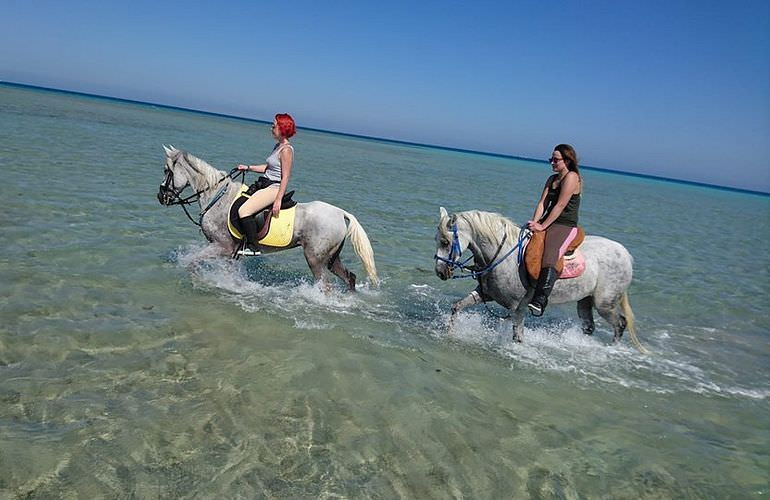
(533,225)
(287,155)
(569,186)
(540,207)
(254,168)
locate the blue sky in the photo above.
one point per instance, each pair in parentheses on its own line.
(670,88)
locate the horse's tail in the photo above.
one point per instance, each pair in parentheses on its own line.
(629,315)
(362,247)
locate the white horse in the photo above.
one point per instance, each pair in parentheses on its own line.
(492,240)
(319,228)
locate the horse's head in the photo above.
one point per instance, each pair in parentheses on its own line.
(452,238)
(175,176)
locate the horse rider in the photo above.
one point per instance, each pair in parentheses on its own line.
(271,186)
(556,213)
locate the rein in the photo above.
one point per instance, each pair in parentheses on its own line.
(195,197)
(455,253)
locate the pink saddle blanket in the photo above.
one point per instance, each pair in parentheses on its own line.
(574,265)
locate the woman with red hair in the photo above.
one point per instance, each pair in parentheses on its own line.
(271,186)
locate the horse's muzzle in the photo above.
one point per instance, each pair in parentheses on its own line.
(442,271)
(165,196)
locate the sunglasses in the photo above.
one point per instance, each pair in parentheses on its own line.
(555,160)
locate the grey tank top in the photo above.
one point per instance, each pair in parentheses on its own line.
(274,172)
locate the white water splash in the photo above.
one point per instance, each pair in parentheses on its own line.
(555,346)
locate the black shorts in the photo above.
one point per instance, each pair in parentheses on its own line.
(261,183)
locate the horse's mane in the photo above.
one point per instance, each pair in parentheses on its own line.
(208,176)
(484,224)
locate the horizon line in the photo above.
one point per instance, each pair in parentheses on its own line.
(387,140)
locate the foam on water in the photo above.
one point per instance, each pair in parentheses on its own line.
(550,345)
(307,303)
(560,346)
(126,371)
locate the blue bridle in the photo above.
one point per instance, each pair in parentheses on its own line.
(455,253)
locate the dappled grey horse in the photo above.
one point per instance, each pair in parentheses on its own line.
(319,228)
(493,240)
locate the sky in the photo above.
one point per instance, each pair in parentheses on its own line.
(678,89)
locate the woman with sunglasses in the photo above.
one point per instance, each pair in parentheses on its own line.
(557,214)
(271,186)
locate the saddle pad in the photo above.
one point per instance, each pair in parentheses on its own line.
(281,227)
(233,225)
(573,266)
(533,256)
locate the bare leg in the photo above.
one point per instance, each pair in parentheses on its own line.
(471,299)
(585,312)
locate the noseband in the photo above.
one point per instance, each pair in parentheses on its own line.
(455,252)
(166,188)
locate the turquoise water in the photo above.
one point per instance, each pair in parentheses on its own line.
(133,366)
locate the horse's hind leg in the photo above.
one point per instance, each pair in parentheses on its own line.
(614,316)
(315,264)
(337,267)
(586,314)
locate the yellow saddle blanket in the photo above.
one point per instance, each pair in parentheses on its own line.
(272,231)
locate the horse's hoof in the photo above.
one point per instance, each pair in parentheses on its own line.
(518,339)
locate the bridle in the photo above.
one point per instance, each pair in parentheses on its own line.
(167,190)
(455,254)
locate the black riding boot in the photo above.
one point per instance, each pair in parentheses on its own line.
(545,282)
(249,224)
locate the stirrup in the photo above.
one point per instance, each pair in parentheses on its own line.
(535,309)
(248,252)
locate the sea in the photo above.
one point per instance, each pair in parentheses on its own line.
(133,364)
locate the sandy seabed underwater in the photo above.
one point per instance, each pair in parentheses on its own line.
(133,366)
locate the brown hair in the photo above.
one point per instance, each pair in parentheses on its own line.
(570,157)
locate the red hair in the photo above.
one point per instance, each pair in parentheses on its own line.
(286,125)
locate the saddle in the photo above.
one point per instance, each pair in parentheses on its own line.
(271,231)
(570,265)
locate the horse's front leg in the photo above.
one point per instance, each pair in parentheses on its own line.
(518,318)
(472,298)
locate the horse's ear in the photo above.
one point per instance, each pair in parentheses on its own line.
(442,212)
(170,150)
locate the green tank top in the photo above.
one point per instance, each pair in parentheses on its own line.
(568,216)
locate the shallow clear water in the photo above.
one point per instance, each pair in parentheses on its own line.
(131,365)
